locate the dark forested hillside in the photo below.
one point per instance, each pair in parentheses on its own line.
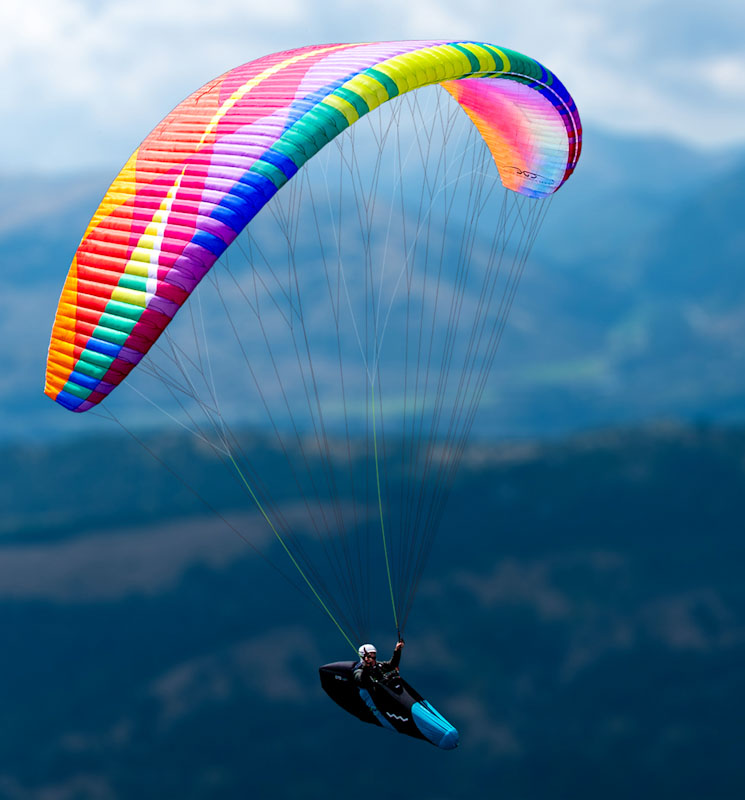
(581,621)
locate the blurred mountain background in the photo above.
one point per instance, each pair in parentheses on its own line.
(631,306)
(582,618)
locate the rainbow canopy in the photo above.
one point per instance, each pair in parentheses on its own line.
(210,166)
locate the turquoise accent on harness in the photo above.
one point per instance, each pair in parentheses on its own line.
(434,727)
(365,695)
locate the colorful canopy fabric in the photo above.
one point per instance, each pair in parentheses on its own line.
(210,166)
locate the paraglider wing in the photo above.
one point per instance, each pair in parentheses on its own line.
(210,166)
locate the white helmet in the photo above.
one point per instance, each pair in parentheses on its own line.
(367,649)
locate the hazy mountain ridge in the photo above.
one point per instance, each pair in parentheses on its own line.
(630,307)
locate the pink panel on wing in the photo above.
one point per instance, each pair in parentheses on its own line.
(523,129)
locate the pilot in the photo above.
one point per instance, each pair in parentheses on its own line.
(368,671)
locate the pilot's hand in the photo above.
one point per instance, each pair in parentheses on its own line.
(399,646)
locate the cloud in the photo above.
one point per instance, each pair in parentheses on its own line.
(85,81)
(142,561)
(95,567)
(726,76)
(272,665)
(513,583)
(89,83)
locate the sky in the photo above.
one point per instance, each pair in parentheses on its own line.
(86,80)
